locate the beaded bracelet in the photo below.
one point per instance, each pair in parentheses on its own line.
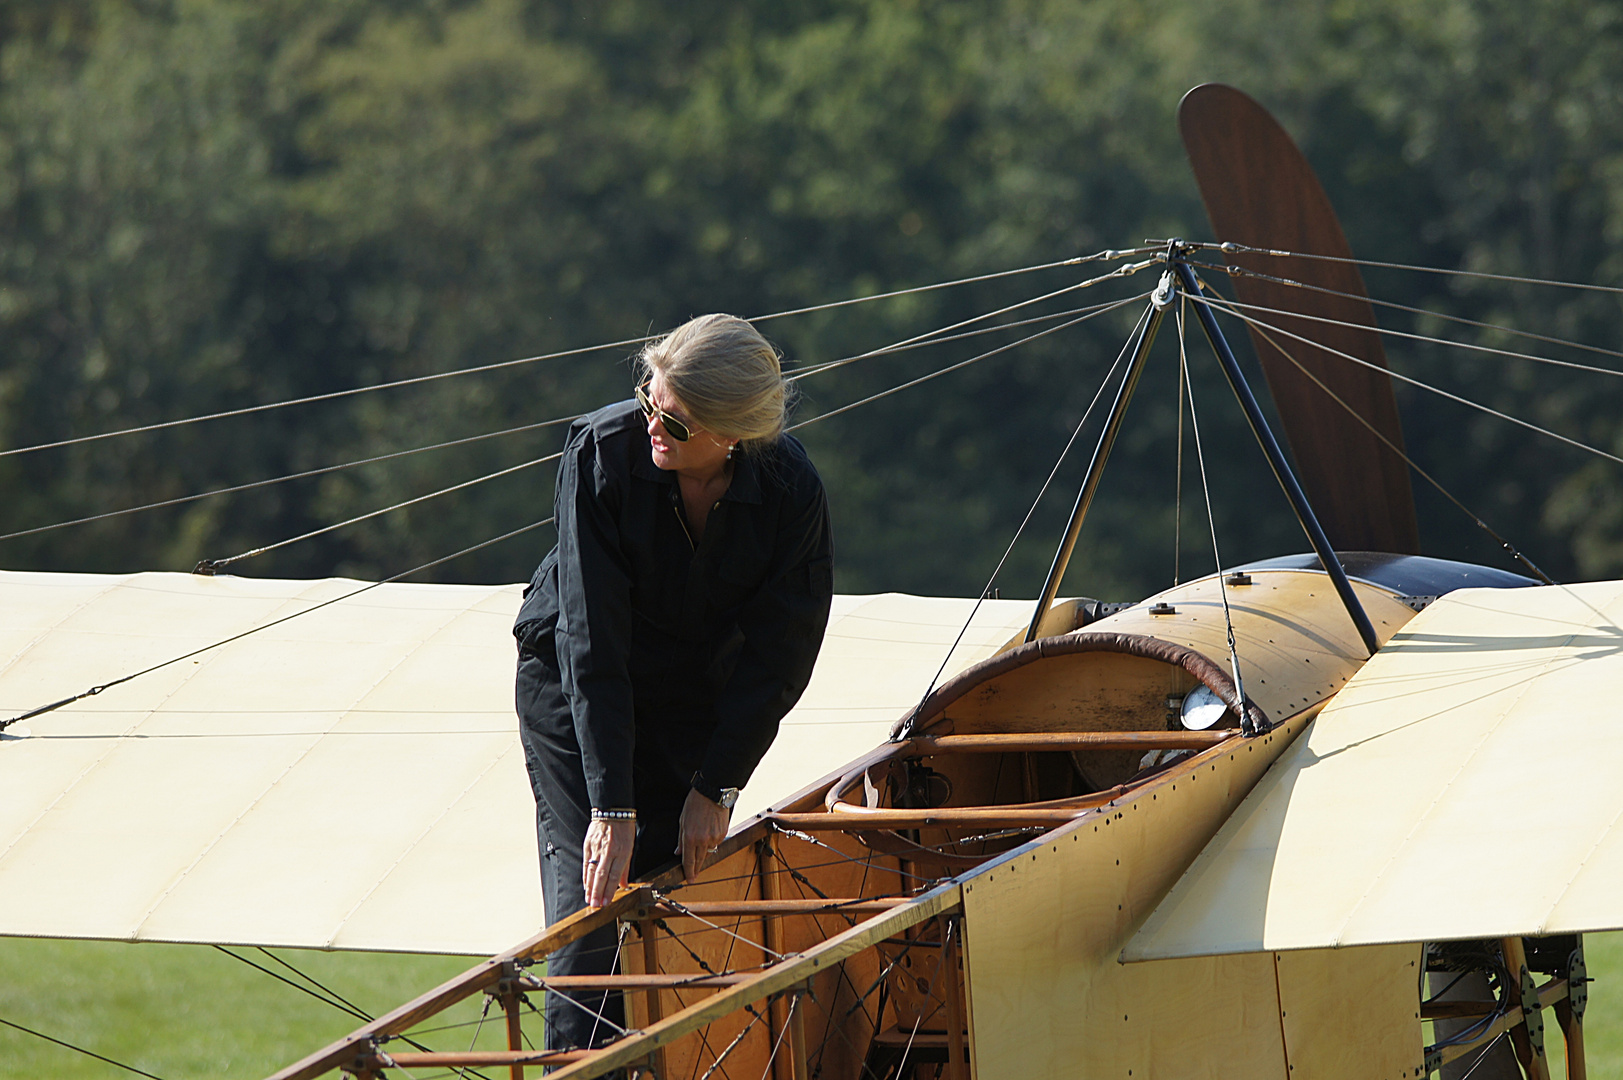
(613,815)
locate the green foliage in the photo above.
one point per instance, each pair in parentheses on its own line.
(207,204)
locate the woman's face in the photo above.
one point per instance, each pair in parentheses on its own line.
(704,453)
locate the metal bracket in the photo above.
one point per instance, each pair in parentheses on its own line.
(1578,981)
(1532,1014)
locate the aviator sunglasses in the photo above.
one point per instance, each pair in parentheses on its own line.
(675,428)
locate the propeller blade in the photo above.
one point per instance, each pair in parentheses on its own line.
(1260,191)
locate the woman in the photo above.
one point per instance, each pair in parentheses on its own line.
(670,630)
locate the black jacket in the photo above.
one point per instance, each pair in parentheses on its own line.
(699,652)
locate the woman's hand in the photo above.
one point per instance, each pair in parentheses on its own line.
(704,826)
(606,858)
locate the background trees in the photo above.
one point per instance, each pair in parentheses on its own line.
(206,204)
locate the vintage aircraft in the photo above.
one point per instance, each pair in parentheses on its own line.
(1274,822)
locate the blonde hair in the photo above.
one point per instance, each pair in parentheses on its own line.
(726,375)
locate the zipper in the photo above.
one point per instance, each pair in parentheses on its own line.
(682,520)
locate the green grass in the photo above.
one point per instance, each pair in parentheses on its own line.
(183,1011)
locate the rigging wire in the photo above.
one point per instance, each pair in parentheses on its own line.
(247,409)
(1127,270)
(317,983)
(1428,339)
(500,364)
(1042,491)
(80,1049)
(972,360)
(924,341)
(1177,483)
(1240,271)
(291,476)
(1211,519)
(918,343)
(351,1010)
(1510,548)
(1098,256)
(1231,247)
(1231,308)
(100,687)
(210,566)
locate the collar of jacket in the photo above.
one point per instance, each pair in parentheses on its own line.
(745,487)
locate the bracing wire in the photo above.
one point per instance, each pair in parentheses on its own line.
(922,341)
(209,566)
(79,1049)
(1230,308)
(266,407)
(1231,247)
(1460,320)
(1505,544)
(1211,519)
(100,687)
(1041,492)
(1427,339)
(965,363)
(327,997)
(1078,260)
(1127,270)
(308,473)
(341,1006)
(501,364)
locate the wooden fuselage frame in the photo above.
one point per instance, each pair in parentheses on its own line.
(868,915)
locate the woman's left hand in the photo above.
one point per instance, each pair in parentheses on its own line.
(704,827)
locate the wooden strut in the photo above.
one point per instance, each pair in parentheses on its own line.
(781,977)
(1551,992)
(508,992)
(952,989)
(1527,1035)
(1151,322)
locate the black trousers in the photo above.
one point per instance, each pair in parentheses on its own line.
(563,811)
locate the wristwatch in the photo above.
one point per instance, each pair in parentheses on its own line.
(724,797)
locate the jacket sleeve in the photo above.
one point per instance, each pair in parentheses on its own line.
(593,635)
(782,627)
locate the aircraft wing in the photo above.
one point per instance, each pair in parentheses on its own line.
(351,779)
(1464,784)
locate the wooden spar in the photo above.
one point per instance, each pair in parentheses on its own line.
(1276,460)
(471,1059)
(1037,742)
(773,980)
(1005,817)
(462,986)
(715,909)
(1101,454)
(1551,992)
(634,982)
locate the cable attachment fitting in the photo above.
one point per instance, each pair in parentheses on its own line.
(207,567)
(1165,292)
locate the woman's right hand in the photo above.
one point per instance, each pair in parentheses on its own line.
(606,858)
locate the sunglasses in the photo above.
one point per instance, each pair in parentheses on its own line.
(675,428)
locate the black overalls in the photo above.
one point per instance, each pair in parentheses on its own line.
(644,658)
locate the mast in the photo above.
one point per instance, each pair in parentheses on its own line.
(1180,275)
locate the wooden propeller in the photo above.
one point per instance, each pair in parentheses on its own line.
(1260,191)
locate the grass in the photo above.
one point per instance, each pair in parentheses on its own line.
(184,1011)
